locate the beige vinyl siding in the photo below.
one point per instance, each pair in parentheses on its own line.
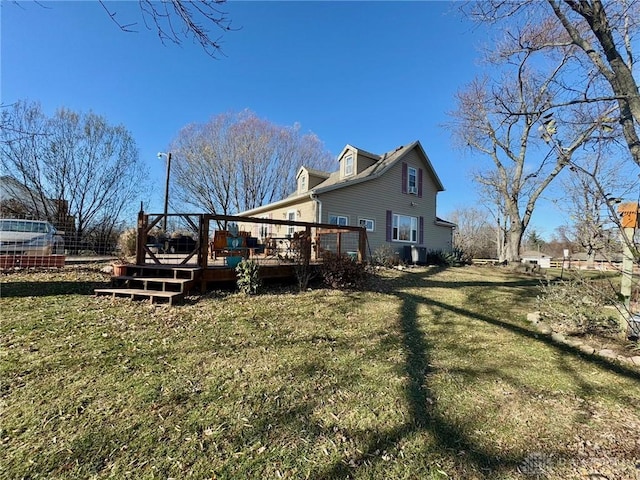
(305,212)
(314,181)
(442,238)
(363,162)
(371,199)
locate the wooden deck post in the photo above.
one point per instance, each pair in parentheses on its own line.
(362,245)
(203,253)
(141,237)
(203,233)
(307,245)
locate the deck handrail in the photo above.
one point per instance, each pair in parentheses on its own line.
(202,229)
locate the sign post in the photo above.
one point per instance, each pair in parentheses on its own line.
(565,254)
(629,222)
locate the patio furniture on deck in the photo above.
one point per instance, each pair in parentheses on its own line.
(219,245)
(254,247)
(226,245)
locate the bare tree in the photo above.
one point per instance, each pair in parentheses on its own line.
(177,20)
(237,162)
(475,232)
(520,118)
(499,119)
(601,35)
(593,190)
(561,240)
(75,166)
(605,36)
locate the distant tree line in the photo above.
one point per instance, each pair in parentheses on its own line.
(479,236)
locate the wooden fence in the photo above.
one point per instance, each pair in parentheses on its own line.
(569,264)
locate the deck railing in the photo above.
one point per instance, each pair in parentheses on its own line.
(274,241)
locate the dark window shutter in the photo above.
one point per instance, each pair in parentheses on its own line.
(419,183)
(404,177)
(389,225)
(421,230)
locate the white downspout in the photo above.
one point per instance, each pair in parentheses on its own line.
(315,198)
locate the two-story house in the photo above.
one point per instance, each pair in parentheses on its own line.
(392,195)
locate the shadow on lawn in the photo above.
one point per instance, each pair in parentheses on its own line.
(423,415)
(423,279)
(47,289)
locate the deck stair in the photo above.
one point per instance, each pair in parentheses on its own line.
(157,283)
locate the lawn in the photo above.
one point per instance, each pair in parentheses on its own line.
(432,374)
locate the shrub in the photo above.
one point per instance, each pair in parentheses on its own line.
(302,268)
(578,306)
(460,257)
(127,242)
(248,277)
(385,256)
(341,271)
(451,258)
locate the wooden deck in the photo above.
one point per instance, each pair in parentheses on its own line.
(301,242)
(217,272)
(170,283)
(168,277)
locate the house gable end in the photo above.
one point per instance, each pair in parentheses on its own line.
(353,161)
(380,167)
(309,178)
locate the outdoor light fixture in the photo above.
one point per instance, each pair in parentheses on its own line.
(166,189)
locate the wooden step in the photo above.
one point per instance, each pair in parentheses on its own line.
(168,271)
(140,294)
(182,284)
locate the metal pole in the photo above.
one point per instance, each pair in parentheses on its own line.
(166,194)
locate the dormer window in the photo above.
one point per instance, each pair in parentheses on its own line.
(412,180)
(303,183)
(348,165)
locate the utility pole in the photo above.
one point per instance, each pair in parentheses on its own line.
(166,190)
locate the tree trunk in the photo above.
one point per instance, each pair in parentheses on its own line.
(513,240)
(620,76)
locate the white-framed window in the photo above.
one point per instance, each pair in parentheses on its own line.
(367,223)
(412,180)
(405,228)
(264,229)
(348,165)
(338,219)
(291,215)
(303,182)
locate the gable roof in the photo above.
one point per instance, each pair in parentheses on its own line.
(313,172)
(445,223)
(385,162)
(359,151)
(334,180)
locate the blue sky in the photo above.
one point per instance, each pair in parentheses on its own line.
(376,75)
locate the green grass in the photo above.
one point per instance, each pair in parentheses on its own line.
(433,375)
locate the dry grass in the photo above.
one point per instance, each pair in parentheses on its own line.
(432,375)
